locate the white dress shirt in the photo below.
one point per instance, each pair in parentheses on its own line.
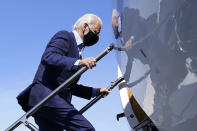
(79,41)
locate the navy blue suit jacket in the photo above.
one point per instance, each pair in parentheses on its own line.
(55,67)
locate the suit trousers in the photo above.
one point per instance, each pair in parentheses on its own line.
(59,119)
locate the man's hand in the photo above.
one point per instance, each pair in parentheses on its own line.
(89,62)
(103,91)
(128,44)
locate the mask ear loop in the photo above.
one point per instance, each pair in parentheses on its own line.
(84,35)
(85,28)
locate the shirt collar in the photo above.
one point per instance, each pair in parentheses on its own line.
(77,37)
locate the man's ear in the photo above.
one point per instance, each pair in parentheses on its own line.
(85,25)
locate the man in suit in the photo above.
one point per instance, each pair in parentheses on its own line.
(60,60)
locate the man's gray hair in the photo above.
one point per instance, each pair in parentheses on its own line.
(87,18)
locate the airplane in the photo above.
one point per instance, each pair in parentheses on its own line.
(158,63)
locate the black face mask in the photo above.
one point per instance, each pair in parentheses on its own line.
(90,38)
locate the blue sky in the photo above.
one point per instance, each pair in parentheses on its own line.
(25,29)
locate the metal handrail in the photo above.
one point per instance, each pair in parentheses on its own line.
(65,84)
